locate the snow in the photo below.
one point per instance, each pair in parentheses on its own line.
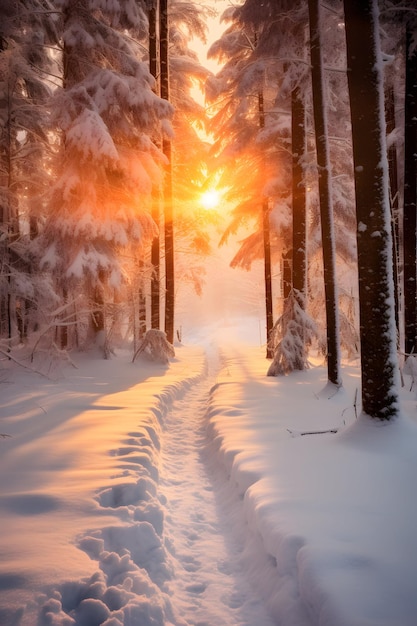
(187,494)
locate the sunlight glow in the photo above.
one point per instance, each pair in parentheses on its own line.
(210,199)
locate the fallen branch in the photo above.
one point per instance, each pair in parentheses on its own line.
(31,369)
(294,433)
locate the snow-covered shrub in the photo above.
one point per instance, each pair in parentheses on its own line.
(156,346)
(291,335)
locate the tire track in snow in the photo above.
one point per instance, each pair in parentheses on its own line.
(208,586)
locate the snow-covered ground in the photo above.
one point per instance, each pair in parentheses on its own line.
(190,495)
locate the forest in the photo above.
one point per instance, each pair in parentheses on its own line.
(308,133)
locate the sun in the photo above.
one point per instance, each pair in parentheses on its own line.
(210,199)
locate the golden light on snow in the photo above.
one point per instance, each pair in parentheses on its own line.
(210,199)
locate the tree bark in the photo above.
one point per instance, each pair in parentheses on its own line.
(410,198)
(286,274)
(267,250)
(155,246)
(374,243)
(168,208)
(393,186)
(325,196)
(299,221)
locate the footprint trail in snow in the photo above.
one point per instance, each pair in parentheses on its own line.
(208,587)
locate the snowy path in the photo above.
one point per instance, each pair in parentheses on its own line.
(145,495)
(208,587)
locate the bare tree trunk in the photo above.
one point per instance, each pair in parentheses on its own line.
(62,331)
(376,288)
(9,218)
(155,247)
(267,250)
(325,195)
(168,208)
(393,184)
(4,264)
(410,197)
(286,274)
(299,217)
(97,316)
(142,311)
(9,211)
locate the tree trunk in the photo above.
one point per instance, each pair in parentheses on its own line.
(267,277)
(155,246)
(376,288)
(4,262)
(142,311)
(393,186)
(286,274)
(69,65)
(325,195)
(267,250)
(299,221)
(410,197)
(97,315)
(9,209)
(168,208)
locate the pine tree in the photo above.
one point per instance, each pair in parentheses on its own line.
(155,247)
(325,195)
(410,195)
(376,302)
(107,114)
(26,32)
(244,130)
(180,71)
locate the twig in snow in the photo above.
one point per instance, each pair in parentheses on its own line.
(294,433)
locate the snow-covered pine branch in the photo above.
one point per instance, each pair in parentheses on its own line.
(290,338)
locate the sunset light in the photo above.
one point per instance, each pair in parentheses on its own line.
(210,199)
(206,417)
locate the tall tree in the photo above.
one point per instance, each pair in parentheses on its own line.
(325,195)
(191,171)
(155,247)
(410,194)
(374,242)
(295,329)
(180,72)
(394,196)
(251,148)
(167,150)
(299,201)
(26,29)
(269,312)
(108,115)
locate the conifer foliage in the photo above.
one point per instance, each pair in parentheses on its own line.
(25,154)
(82,125)
(291,336)
(106,113)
